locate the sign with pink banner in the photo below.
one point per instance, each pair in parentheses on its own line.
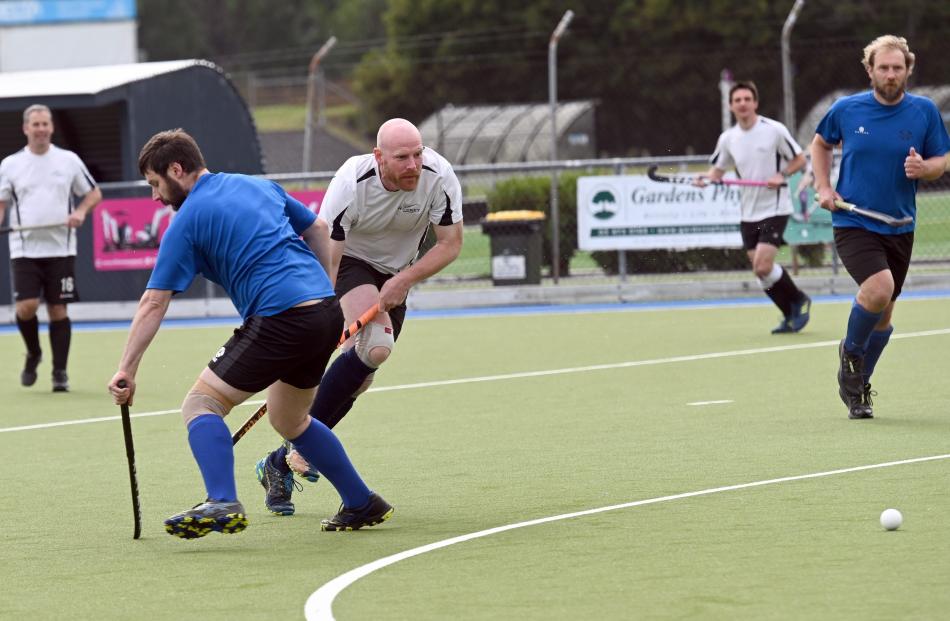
(127,231)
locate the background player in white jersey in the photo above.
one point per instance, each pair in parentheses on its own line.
(38,185)
(761,149)
(378,210)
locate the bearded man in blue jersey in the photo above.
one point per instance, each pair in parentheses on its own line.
(889,140)
(263,248)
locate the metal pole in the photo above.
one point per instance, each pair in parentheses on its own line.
(552,97)
(725,84)
(311,85)
(789,90)
(321,99)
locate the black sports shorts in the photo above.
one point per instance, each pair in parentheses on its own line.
(354,272)
(54,277)
(769,231)
(865,253)
(293,346)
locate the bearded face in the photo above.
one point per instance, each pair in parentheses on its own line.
(889,75)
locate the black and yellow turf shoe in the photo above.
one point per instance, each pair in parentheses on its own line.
(211,515)
(375,511)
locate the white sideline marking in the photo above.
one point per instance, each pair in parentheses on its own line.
(319,606)
(524,374)
(66,423)
(717,402)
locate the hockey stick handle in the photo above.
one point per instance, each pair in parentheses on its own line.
(32,227)
(690,180)
(354,328)
(130,458)
(874,215)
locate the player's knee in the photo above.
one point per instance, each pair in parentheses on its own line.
(374,344)
(198,403)
(762,269)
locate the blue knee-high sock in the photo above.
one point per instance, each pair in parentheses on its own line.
(211,445)
(324,451)
(860,325)
(342,379)
(876,344)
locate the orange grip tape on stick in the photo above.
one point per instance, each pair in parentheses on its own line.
(357,325)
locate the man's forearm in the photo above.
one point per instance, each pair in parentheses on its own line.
(934,167)
(821,165)
(90,200)
(148,319)
(434,261)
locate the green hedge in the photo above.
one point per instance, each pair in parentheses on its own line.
(534,193)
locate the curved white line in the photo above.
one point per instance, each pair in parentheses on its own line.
(319,606)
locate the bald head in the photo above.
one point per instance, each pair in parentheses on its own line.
(396,133)
(399,155)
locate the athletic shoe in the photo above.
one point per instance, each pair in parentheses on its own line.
(279,487)
(801,313)
(28,375)
(850,374)
(852,389)
(60,380)
(783,327)
(211,515)
(375,511)
(865,408)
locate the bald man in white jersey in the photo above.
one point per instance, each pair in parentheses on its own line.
(378,210)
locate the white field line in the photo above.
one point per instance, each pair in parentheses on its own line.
(319,606)
(716,402)
(527,374)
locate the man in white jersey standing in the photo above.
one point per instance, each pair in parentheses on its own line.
(38,185)
(761,149)
(378,210)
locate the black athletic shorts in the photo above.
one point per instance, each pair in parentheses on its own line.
(865,253)
(769,231)
(54,277)
(355,272)
(293,346)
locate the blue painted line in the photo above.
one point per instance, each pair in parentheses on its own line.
(495,311)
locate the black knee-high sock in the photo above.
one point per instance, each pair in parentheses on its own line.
(334,418)
(784,292)
(60,333)
(342,379)
(30,331)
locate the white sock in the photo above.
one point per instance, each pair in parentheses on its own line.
(772,278)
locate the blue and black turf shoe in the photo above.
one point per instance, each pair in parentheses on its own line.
(211,515)
(278,487)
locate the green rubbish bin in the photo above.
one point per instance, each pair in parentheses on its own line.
(515,246)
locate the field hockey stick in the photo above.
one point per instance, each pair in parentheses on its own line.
(690,179)
(352,330)
(32,227)
(874,215)
(130,457)
(250,422)
(357,325)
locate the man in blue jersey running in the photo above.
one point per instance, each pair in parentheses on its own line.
(245,234)
(889,140)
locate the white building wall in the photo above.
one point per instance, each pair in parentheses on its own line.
(57,46)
